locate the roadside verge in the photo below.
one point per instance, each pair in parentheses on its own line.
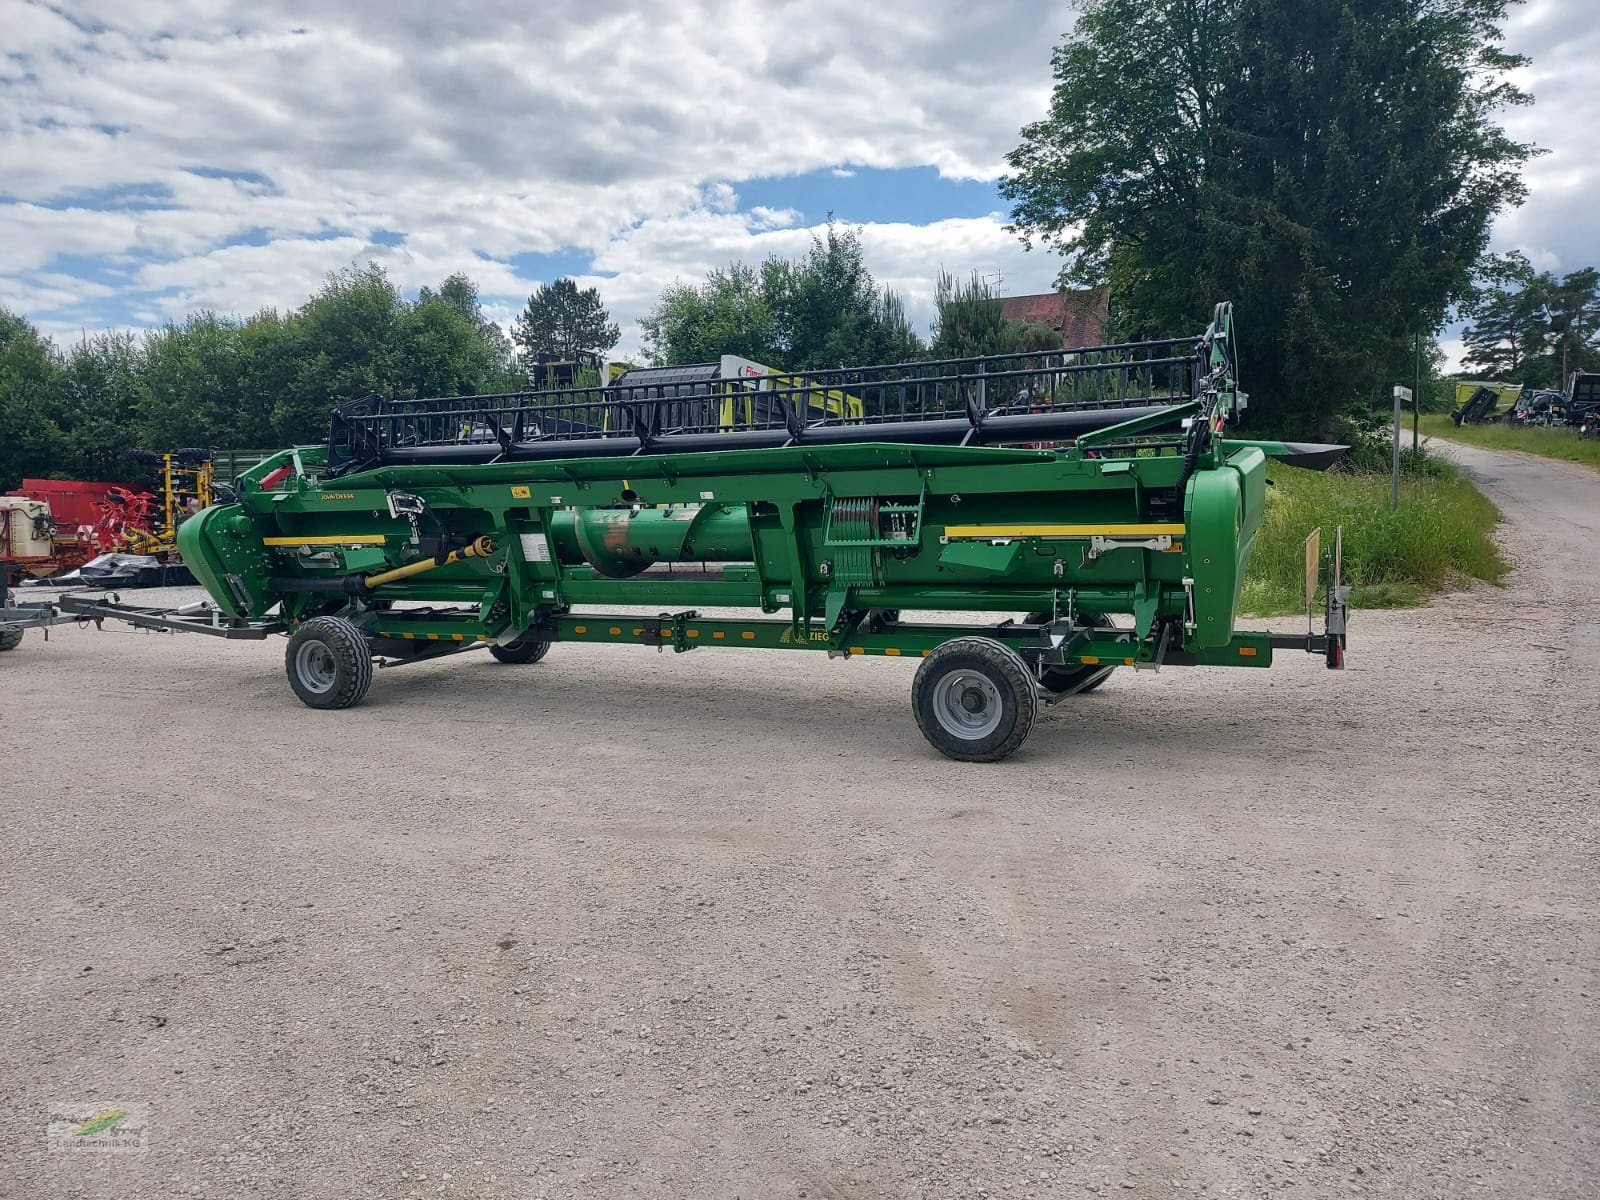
(1558,443)
(1441,536)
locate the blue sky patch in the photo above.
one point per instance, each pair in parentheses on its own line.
(120,197)
(110,271)
(255,178)
(872,195)
(548,267)
(258,236)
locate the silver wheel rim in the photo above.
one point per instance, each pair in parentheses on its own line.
(967,705)
(314,664)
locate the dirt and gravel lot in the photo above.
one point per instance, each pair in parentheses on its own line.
(637,925)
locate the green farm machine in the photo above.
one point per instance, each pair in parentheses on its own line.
(1064,513)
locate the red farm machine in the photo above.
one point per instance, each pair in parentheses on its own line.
(56,526)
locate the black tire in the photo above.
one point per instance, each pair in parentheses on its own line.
(526,649)
(10,639)
(192,456)
(329,663)
(975,699)
(1064,679)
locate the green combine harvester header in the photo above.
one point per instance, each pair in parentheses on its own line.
(1078,511)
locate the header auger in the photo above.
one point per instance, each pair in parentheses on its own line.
(831,507)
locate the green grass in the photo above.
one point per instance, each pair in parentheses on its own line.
(1560,442)
(1442,534)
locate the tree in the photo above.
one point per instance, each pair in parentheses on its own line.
(822,310)
(1532,328)
(230,383)
(1573,310)
(99,405)
(560,319)
(188,384)
(828,311)
(267,346)
(459,292)
(1331,169)
(346,342)
(969,323)
(31,386)
(729,313)
(443,352)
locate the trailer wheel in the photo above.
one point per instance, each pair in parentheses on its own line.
(329,663)
(10,639)
(1068,679)
(975,699)
(526,649)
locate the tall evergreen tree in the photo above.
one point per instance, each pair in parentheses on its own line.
(1532,327)
(1332,168)
(564,320)
(1574,313)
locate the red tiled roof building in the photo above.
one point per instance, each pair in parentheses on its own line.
(1078,316)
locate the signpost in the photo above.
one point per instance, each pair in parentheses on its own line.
(1401,395)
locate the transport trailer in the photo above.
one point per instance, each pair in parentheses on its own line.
(1084,509)
(18,616)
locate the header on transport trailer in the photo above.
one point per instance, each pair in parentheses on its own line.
(1083,506)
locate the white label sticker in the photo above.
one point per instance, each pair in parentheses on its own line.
(535,548)
(708,495)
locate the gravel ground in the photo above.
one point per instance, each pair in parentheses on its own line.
(638,925)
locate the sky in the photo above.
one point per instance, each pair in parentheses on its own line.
(173,155)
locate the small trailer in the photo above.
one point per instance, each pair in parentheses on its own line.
(17,616)
(1085,510)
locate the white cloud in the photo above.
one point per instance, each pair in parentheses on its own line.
(185,155)
(1556,228)
(1453,349)
(621,129)
(773,218)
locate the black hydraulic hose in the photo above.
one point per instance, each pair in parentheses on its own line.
(345,585)
(1191,459)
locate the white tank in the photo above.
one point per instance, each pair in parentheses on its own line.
(24,529)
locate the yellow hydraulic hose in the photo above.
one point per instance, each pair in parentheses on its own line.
(481,548)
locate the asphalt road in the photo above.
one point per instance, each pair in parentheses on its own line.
(721,925)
